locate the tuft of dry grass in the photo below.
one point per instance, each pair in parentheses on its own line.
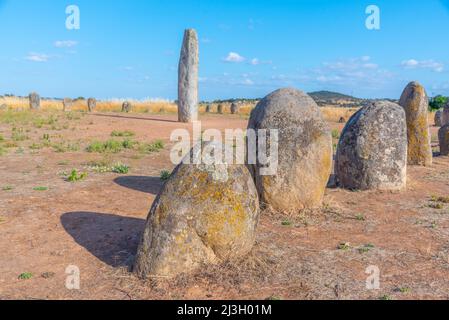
(333,114)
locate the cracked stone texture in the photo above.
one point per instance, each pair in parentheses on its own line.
(188,78)
(305,151)
(35,101)
(415,102)
(372,152)
(204,214)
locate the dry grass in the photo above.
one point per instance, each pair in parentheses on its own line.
(331,114)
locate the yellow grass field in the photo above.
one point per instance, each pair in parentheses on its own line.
(331,114)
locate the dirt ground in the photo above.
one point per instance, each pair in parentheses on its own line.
(48,224)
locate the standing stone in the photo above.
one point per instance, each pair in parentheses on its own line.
(67,104)
(234,108)
(188,78)
(91,104)
(126,107)
(443,137)
(204,214)
(220,109)
(208,108)
(35,101)
(439,118)
(445,116)
(415,102)
(304,151)
(342,120)
(372,152)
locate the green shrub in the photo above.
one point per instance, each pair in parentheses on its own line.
(165,175)
(120,168)
(156,146)
(18,135)
(75,176)
(126,133)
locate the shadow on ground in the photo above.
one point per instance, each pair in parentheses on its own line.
(132,117)
(112,239)
(150,185)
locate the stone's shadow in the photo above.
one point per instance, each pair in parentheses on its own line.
(112,239)
(131,117)
(150,185)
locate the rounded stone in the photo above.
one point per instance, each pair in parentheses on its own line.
(445,116)
(91,104)
(35,101)
(234,108)
(126,107)
(438,118)
(204,214)
(443,137)
(304,151)
(67,104)
(372,152)
(415,102)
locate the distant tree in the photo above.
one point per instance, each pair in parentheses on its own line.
(437,102)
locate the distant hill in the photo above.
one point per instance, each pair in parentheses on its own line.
(329,95)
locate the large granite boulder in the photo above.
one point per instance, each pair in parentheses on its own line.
(204,214)
(304,151)
(415,102)
(372,152)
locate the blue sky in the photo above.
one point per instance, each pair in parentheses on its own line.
(248,48)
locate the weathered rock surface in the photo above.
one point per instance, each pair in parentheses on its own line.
(443,137)
(220,109)
(188,78)
(304,153)
(35,101)
(91,104)
(439,118)
(372,152)
(415,102)
(204,214)
(208,108)
(126,107)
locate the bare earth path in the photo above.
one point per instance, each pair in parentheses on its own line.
(95,224)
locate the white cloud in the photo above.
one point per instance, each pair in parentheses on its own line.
(255,62)
(234,58)
(65,44)
(339,75)
(37,57)
(423,64)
